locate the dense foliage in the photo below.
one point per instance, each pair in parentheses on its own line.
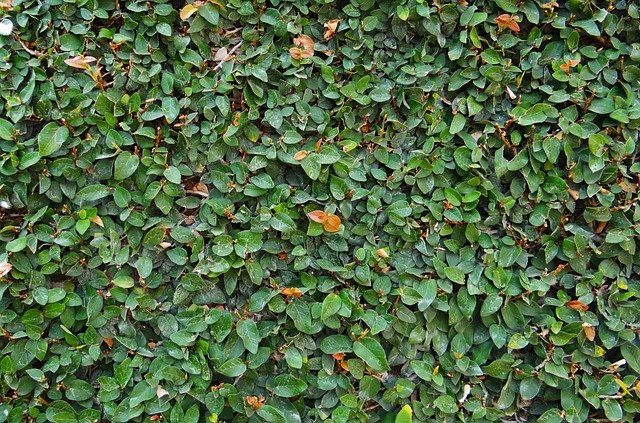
(305,210)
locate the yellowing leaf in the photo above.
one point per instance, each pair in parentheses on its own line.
(405,415)
(566,66)
(187,11)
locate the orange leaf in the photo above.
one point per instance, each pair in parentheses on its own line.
(508,21)
(318,216)
(304,48)
(577,305)
(291,292)
(5,268)
(330,28)
(80,62)
(332,224)
(338,356)
(301,154)
(108,341)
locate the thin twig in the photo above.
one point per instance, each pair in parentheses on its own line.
(27,49)
(219,65)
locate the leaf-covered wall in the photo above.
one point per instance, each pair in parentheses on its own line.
(299,211)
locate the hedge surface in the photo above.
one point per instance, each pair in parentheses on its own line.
(301,211)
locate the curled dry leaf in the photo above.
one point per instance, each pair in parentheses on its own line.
(5,268)
(80,62)
(303,49)
(577,305)
(508,21)
(108,341)
(511,94)
(330,28)
(6,4)
(301,154)
(332,223)
(318,216)
(382,253)
(566,66)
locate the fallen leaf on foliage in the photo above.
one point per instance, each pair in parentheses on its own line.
(330,28)
(382,253)
(577,305)
(304,47)
(508,21)
(80,62)
(108,341)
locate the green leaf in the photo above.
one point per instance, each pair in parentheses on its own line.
(458,123)
(124,282)
(232,368)
(282,222)
(454,274)
(6,130)
(288,386)
(330,306)
(612,409)
(248,332)
(92,193)
(125,165)
(51,138)
(372,353)
(446,403)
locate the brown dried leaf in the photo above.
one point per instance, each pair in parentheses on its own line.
(80,62)
(332,223)
(301,154)
(304,47)
(5,268)
(577,305)
(201,189)
(330,28)
(98,221)
(589,331)
(508,21)
(6,5)
(108,341)
(382,253)
(318,216)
